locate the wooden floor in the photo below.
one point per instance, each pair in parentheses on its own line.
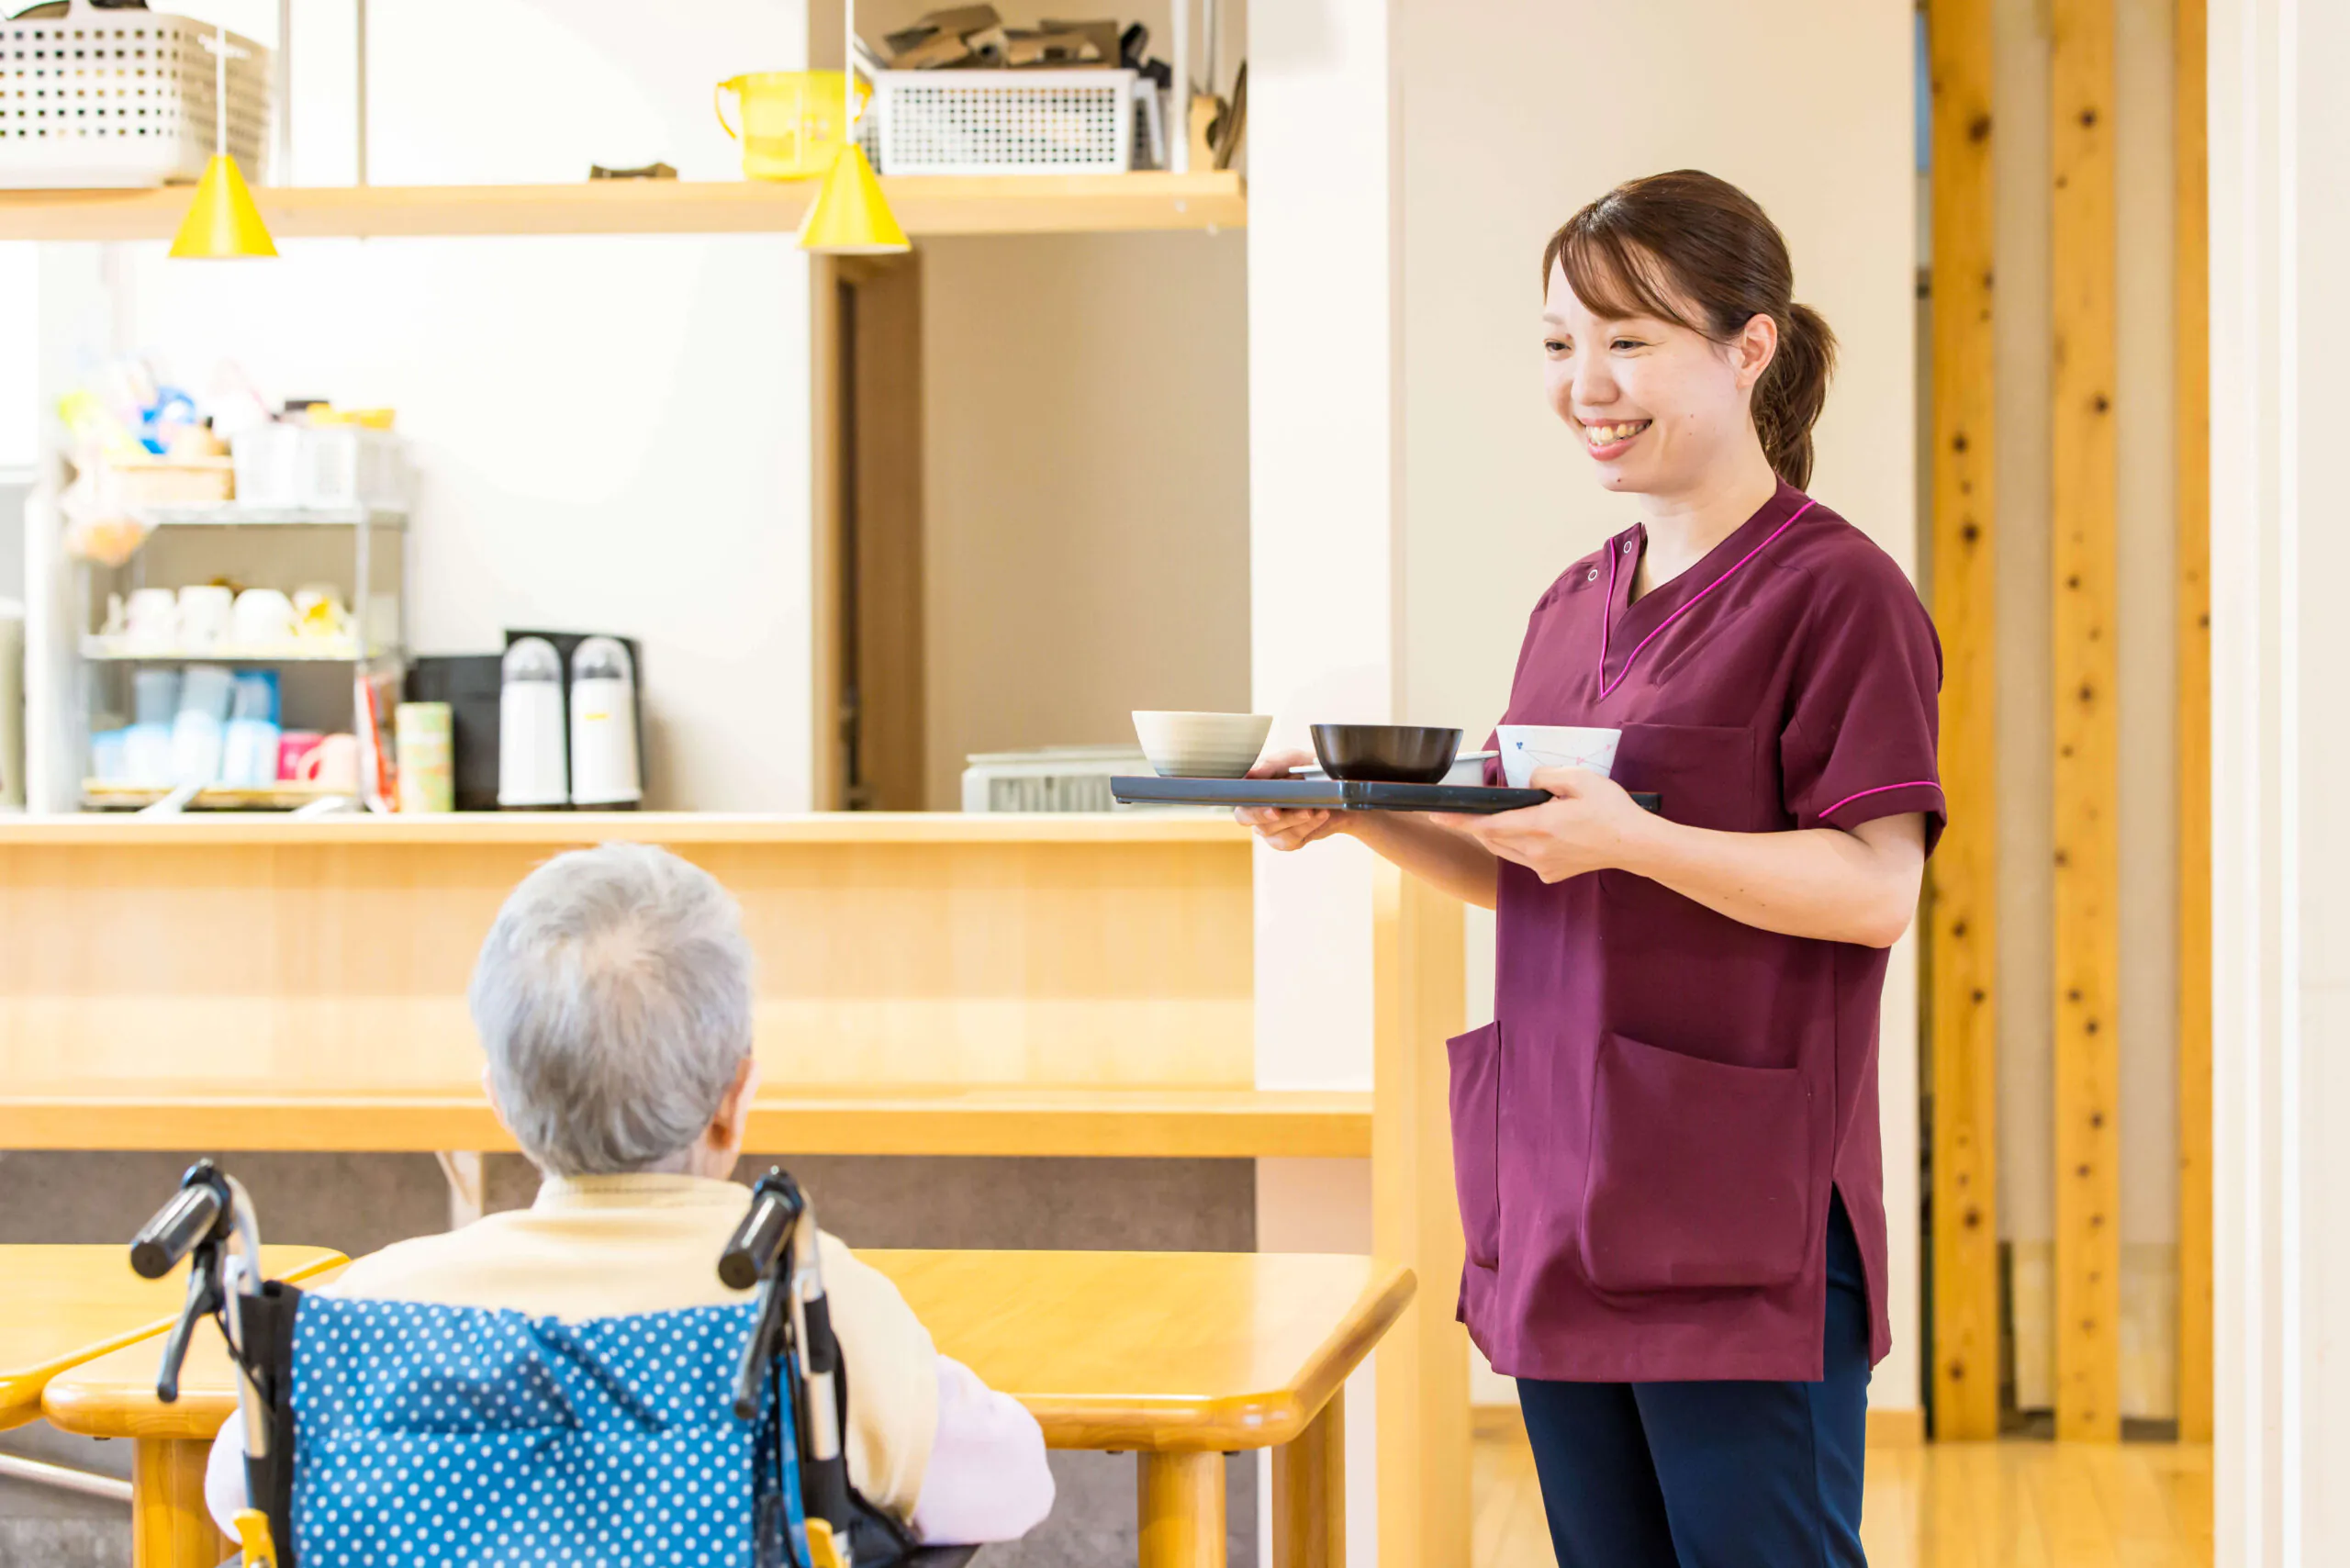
(2010,1505)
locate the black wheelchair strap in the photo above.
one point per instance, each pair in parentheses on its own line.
(268,1323)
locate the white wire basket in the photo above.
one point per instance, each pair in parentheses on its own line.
(122,99)
(1001,122)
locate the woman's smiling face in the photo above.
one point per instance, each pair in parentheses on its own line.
(1658,405)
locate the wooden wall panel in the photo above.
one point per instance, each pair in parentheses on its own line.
(2193,432)
(2087,851)
(310,968)
(827,767)
(886,523)
(1964,1358)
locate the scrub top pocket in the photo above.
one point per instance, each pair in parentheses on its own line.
(1698,1175)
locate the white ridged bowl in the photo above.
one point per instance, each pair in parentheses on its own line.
(1201,746)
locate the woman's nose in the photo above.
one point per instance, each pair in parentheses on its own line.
(1592,385)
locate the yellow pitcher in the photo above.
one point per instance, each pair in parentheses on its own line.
(793,122)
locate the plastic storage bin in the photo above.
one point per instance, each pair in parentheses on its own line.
(1002,122)
(122,98)
(330,466)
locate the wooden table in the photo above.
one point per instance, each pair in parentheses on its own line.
(61,1307)
(1179,1357)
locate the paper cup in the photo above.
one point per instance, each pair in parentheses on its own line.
(1527,747)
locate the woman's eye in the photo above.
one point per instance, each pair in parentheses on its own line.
(1627,343)
(1554,345)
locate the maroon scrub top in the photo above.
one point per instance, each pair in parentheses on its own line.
(1646,1137)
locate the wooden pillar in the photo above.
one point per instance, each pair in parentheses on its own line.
(2192,432)
(2087,854)
(1423,1364)
(1963,902)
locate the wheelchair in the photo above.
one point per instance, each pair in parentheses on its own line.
(396,1433)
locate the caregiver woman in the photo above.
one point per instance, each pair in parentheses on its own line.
(1666,1144)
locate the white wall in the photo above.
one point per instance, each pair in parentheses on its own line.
(1085,488)
(612,432)
(1324,384)
(2280,243)
(1807,106)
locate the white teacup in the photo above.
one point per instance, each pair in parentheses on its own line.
(1529,747)
(205,613)
(264,616)
(152,615)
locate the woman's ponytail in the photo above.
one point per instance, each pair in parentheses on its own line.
(1662,245)
(1793,391)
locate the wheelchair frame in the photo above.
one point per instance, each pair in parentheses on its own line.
(775,1249)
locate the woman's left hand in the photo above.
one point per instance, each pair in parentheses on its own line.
(1590,826)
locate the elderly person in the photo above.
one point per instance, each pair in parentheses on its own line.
(613,999)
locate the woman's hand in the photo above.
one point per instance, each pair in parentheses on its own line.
(1282,828)
(1589,825)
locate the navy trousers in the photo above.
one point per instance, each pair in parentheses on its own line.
(1714,1474)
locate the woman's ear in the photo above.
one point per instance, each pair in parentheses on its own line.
(733,1121)
(490,1091)
(1756,345)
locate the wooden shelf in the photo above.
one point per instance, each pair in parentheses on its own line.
(927,205)
(646,827)
(894,1119)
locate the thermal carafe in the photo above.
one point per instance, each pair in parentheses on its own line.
(532,774)
(604,772)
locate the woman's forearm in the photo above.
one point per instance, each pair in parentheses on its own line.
(1444,860)
(1819,882)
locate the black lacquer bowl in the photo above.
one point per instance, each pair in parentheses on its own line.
(1399,754)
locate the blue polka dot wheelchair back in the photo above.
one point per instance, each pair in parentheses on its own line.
(391,1434)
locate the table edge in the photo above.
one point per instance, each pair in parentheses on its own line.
(329,1259)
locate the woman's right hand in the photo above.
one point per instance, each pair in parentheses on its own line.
(1282,828)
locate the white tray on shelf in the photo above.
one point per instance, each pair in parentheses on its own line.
(101,648)
(283,796)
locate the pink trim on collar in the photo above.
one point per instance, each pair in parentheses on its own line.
(1865,794)
(1606,615)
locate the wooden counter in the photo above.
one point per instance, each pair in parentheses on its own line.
(1224,1123)
(563,829)
(926,982)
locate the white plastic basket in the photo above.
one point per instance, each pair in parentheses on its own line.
(1050,778)
(335,465)
(1002,122)
(122,98)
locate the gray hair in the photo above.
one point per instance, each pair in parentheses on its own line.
(613,999)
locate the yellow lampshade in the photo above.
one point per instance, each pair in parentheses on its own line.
(851,217)
(222,224)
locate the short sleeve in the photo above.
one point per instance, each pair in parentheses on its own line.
(1859,739)
(892,1381)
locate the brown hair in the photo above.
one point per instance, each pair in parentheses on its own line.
(1659,246)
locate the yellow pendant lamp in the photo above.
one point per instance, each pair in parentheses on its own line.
(222,223)
(850,216)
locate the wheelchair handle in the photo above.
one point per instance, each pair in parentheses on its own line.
(776,1204)
(192,1214)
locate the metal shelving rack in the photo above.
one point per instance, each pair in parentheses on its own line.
(380,629)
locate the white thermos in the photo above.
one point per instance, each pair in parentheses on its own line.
(603,727)
(531,772)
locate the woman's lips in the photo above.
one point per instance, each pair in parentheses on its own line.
(1608,441)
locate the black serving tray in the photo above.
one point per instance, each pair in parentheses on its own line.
(1334,795)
